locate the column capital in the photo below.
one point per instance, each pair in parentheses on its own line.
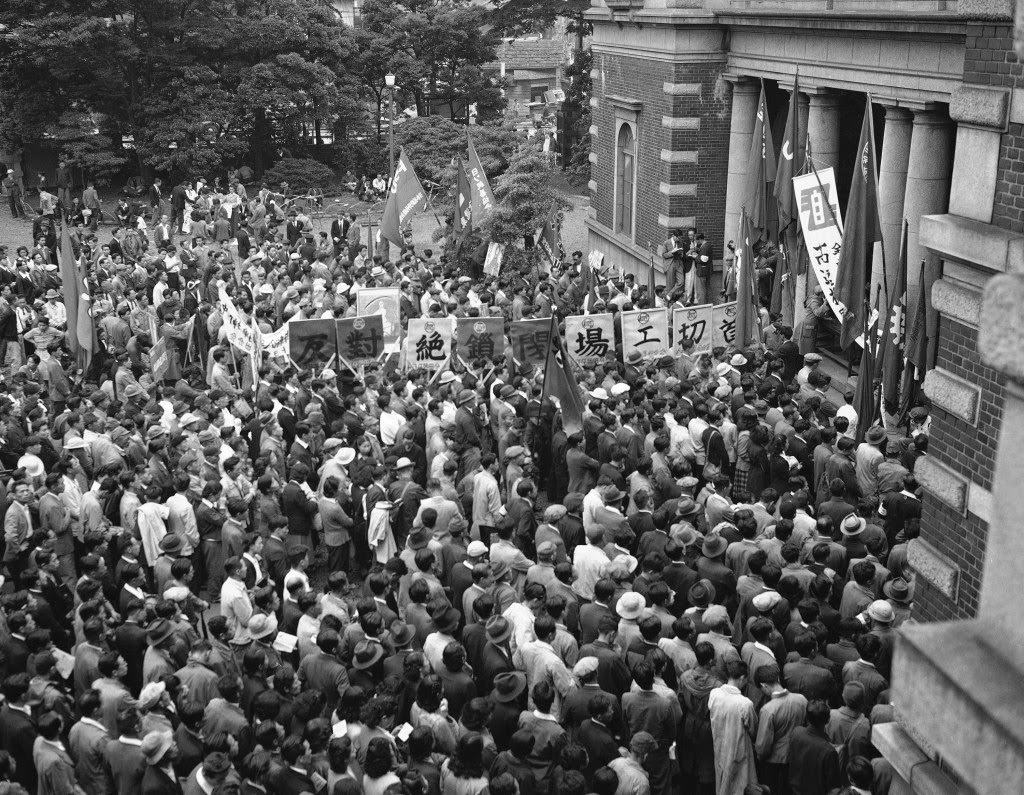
(743,83)
(932,118)
(911,105)
(821,98)
(895,113)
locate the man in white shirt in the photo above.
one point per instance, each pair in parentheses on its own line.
(152,519)
(235,605)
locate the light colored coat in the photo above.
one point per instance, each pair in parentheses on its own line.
(733,727)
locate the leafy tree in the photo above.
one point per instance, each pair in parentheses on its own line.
(525,17)
(299,173)
(434,142)
(578,115)
(523,195)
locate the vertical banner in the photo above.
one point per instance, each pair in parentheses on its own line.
(429,343)
(723,325)
(312,343)
(360,339)
(596,262)
(646,331)
(695,323)
(822,226)
(275,344)
(240,330)
(590,339)
(383,301)
(492,263)
(159,360)
(479,338)
(530,340)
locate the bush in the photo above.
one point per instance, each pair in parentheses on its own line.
(363,158)
(300,174)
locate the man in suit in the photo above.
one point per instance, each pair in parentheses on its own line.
(178,201)
(497,656)
(18,729)
(323,671)
(298,506)
(18,529)
(293,230)
(156,198)
(91,202)
(612,674)
(521,515)
(704,263)
(581,467)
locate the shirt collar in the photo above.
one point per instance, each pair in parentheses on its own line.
(129,740)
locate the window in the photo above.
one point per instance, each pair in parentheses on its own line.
(625,179)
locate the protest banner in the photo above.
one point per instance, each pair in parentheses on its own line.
(312,343)
(590,339)
(492,263)
(479,338)
(159,359)
(240,330)
(723,325)
(646,331)
(822,225)
(695,323)
(530,340)
(429,343)
(383,301)
(360,340)
(274,344)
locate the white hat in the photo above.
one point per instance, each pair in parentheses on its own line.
(722,369)
(476,549)
(447,377)
(738,360)
(403,463)
(599,394)
(187,419)
(619,389)
(266,289)
(328,373)
(345,456)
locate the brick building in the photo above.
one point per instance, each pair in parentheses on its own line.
(676,84)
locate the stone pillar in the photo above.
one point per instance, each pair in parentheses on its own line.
(745,94)
(929,169)
(823,127)
(892,185)
(803,110)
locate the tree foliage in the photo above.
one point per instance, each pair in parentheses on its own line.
(300,173)
(523,195)
(578,114)
(523,17)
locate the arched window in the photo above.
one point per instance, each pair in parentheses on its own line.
(625,178)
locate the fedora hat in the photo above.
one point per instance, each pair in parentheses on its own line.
(853,525)
(159,631)
(875,435)
(418,539)
(170,543)
(447,620)
(367,654)
(498,629)
(634,357)
(262,626)
(686,506)
(701,593)
(898,590)
(155,745)
(499,568)
(713,546)
(631,605)
(509,686)
(402,633)
(684,534)
(465,396)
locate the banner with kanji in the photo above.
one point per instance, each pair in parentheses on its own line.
(723,325)
(822,225)
(274,344)
(530,340)
(590,339)
(240,330)
(383,301)
(312,343)
(646,331)
(492,263)
(479,338)
(695,323)
(360,339)
(159,359)
(428,343)
(405,196)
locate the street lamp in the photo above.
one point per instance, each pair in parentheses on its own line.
(389,81)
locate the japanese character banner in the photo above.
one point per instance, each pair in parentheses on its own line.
(312,343)
(383,301)
(590,339)
(646,331)
(360,339)
(240,330)
(275,344)
(495,253)
(723,325)
(695,323)
(530,340)
(480,338)
(429,343)
(822,226)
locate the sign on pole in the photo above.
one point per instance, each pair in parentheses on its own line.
(692,322)
(360,340)
(646,331)
(312,343)
(723,325)
(530,340)
(822,225)
(239,329)
(429,343)
(383,301)
(492,263)
(479,338)
(275,344)
(159,360)
(590,339)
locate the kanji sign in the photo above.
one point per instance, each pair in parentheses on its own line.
(723,325)
(692,322)
(429,343)
(312,343)
(492,263)
(159,359)
(241,331)
(480,337)
(530,340)
(590,339)
(360,339)
(275,344)
(823,229)
(383,301)
(646,331)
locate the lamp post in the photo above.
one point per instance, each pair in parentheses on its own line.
(389,81)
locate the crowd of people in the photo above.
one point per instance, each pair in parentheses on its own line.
(422,583)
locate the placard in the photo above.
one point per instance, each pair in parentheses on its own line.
(383,301)
(274,344)
(492,263)
(822,224)
(695,323)
(530,340)
(723,325)
(312,343)
(646,331)
(479,337)
(240,330)
(590,339)
(360,339)
(429,343)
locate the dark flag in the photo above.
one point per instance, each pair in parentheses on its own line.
(917,349)
(860,233)
(760,168)
(559,382)
(588,280)
(71,287)
(784,288)
(481,197)
(894,334)
(748,328)
(405,197)
(549,239)
(463,204)
(864,395)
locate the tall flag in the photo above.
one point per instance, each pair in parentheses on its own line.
(405,197)
(85,328)
(560,383)
(588,280)
(860,233)
(747,317)
(894,334)
(481,198)
(760,168)
(463,204)
(71,286)
(549,240)
(789,165)
(917,348)
(864,395)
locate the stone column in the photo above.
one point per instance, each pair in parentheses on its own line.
(823,134)
(745,94)
(803,109)
(929,168)
(892,185)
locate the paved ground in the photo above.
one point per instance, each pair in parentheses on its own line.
(13,233)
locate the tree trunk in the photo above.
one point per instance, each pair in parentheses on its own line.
(258,130)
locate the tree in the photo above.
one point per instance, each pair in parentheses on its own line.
(525,17)
(578,116)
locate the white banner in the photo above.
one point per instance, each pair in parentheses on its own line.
(240,330)
(723,325)
(275,344)
(492,263)
(429,343)
(695,323)
(384,301)
(590,339)
(822,228)
(646,331)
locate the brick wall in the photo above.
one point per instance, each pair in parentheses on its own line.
(990,60)
(971,452)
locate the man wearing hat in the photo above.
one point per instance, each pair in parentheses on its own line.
(55,310)
(901,596)
(880,618)
(466,432)
(811,362)
(160,751)
(866,461)
(631,769)
(497,656)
